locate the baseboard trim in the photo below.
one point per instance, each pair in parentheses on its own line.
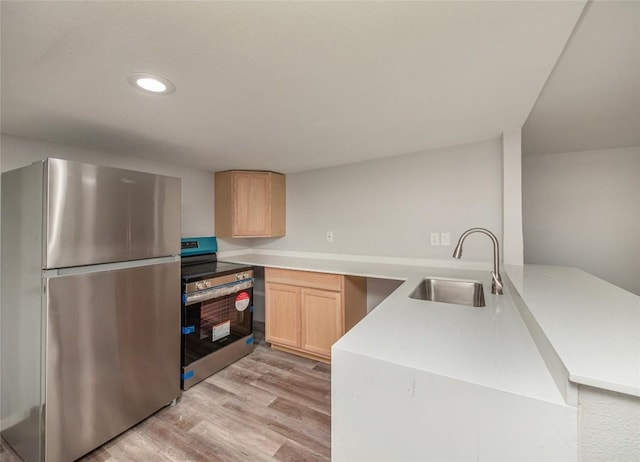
(304,354)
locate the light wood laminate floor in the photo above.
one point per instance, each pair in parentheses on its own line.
(267,406)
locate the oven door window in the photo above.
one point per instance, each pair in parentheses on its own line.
(213,324)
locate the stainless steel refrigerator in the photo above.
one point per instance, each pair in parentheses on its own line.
(90,314)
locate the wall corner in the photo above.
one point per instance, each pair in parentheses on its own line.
(512,239)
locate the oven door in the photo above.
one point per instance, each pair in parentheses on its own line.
(211,324)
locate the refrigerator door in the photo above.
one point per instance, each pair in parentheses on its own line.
(112,356)
(99,214)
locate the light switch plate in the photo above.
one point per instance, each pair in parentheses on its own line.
(435,238)
(445,238)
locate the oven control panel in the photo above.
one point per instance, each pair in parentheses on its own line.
(217,281)
(203,284)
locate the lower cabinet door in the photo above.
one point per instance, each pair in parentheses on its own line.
(282,312)
(321,320)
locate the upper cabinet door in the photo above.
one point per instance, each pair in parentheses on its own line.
(249,204)
(101,214)
(252,206)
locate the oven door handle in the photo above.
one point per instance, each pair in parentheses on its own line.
(217,292)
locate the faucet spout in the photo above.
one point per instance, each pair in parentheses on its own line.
(496,279)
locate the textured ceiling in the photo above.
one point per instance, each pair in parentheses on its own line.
(287,86)
(592,98)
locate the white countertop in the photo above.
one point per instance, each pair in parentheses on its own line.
(593,326)
(488,346)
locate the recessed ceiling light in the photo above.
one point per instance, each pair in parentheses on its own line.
(151,83)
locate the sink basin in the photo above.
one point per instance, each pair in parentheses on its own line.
(457,291)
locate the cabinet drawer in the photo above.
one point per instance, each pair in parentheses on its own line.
(304,279)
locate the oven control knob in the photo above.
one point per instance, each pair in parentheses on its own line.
(207,283)
(239,276)
(199,285)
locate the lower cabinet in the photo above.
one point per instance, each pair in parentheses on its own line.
(306,312)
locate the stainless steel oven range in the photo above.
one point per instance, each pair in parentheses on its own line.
(217,311)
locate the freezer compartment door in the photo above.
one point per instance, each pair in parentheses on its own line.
(102,214)
(113,354)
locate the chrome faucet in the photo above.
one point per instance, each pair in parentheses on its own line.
(496,282)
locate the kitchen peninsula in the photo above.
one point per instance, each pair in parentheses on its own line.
(427,380)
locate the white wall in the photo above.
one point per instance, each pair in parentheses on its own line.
(197,185)
(583,209)
(378,290)
(609,426)
(388,207)
(513,249)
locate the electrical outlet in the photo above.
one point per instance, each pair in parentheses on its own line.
(329,236)
(435,239)
(445,238)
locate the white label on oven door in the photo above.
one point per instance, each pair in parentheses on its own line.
(242,301)
(221,330)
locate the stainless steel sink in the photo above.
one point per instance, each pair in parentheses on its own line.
(459,292)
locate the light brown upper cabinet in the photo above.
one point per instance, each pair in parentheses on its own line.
(249,204)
